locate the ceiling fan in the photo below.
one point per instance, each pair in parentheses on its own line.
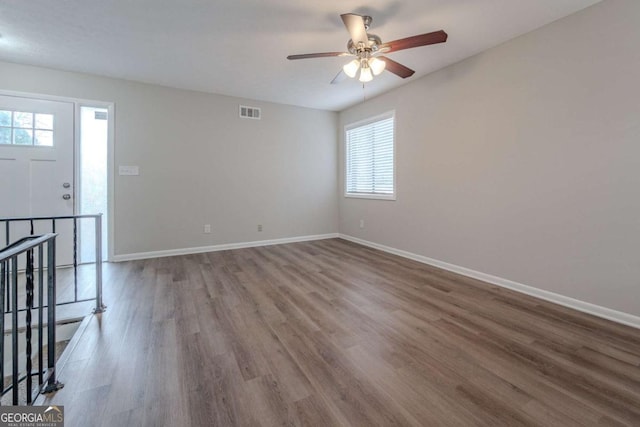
(368,50)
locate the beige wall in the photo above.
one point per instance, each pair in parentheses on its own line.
(523,162)
(201,164)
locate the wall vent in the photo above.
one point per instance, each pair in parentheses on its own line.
(249,112)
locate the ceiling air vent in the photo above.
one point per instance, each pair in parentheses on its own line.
(249,112)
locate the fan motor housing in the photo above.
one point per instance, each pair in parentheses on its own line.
(374,43)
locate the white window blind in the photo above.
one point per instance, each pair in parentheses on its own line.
(370,158)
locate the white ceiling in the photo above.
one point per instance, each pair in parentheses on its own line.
(239,47)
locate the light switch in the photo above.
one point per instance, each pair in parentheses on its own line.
(129,170)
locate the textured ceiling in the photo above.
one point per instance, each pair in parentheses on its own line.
(239,47)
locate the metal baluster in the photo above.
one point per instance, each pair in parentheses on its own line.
(52,384)
(4,278)
(14,327)
(100,307)
(8,289)
(75,259)
(3,268)
(31,226)
(29,303)
(40,311)
(53,230)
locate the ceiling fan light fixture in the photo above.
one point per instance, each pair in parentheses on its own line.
(365,46)
(351,69)
(377,65)
(365,73)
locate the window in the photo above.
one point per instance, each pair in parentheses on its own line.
(26,128)
(93,185)
(370,163)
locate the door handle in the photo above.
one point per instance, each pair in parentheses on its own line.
(66,196)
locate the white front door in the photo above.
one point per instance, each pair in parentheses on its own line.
(37,167)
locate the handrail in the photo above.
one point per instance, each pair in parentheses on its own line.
(99,307)
(47,218)
(24,245)
(30,246)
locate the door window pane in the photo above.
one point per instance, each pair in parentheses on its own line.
(44,121)
(22,136)
(22,120)
(44,138)
(5,135)
(5,118)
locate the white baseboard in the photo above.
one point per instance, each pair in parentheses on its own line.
(223,247)
(596,310)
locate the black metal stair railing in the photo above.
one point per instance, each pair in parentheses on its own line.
(54,223)
(29,247)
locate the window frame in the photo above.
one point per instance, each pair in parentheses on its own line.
(372,196)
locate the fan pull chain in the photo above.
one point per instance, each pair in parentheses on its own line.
(364,94)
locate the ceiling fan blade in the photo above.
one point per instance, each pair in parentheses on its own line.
(318,55)
(339,78)
(355,26)
(397,68)
(415,41)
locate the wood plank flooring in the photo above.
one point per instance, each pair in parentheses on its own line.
(331,333)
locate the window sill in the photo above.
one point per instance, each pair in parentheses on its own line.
(391,197)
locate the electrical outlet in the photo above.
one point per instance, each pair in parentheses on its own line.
(259,227)
(362,223)
(207,228)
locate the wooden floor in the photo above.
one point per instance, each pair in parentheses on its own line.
(331,333)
